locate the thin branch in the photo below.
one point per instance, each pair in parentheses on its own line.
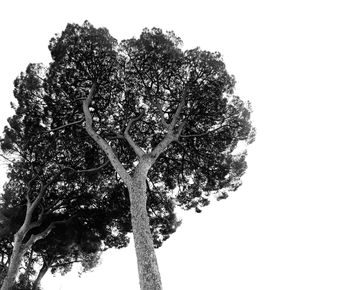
(138,150)
(90,169)
(7,159)
(66,125)
(43,188)
(54,206)
(28,199)
(204,133)
(42,235)
(39,221)
(171,135)
(179,130)
(118,167)
(67,263)
(178,112)
(161,113)
(46,232)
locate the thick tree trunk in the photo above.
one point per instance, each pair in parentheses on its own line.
(15,262)
(41,274)
(149,276)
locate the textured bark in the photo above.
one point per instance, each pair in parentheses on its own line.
(149,276)
(16,259)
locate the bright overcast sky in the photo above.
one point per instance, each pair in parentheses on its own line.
(287,227)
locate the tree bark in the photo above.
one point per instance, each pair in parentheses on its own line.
(16,259)
(149,276)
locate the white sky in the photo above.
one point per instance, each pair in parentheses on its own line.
(287,227)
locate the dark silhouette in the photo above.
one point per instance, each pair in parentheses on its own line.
(165,120)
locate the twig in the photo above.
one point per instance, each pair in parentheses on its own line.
(204,133)
(90,169)
(66,125)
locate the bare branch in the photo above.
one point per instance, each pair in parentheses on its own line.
(32,206)
(180,129)
(170,137)
(203,134)
(67,263)
(28,199)
(6,158)
(55,206)
(67,125)
(43,188)
(90,169)
(139,152)
(118,167)
(178,112)
(161,114)
(44,233)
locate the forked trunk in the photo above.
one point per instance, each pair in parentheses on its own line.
(149,276)
(15,262)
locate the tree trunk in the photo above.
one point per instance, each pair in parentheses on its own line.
(15,262)
(41,274)
(149,276)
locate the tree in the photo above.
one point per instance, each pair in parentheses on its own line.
(99,222)
(39,188)
(166,119)
(49,185)
(33,173)
(81,241)
(71,226)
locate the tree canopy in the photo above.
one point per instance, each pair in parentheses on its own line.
(121,133)
(141,84)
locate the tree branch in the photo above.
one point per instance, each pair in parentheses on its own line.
(171,135)
(7,159)
(118,167)
(43,234)
(204,133)
(67,263)
(90,169)
(66,125)
(31,206)
(177,113)
(39,221)
(29,185)
(139,152)
(46,232)
(43,188)
(161,114)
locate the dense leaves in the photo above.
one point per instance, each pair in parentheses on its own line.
(147,79)
(145,90)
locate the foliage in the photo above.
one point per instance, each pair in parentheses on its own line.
(145,90)
(147,79)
